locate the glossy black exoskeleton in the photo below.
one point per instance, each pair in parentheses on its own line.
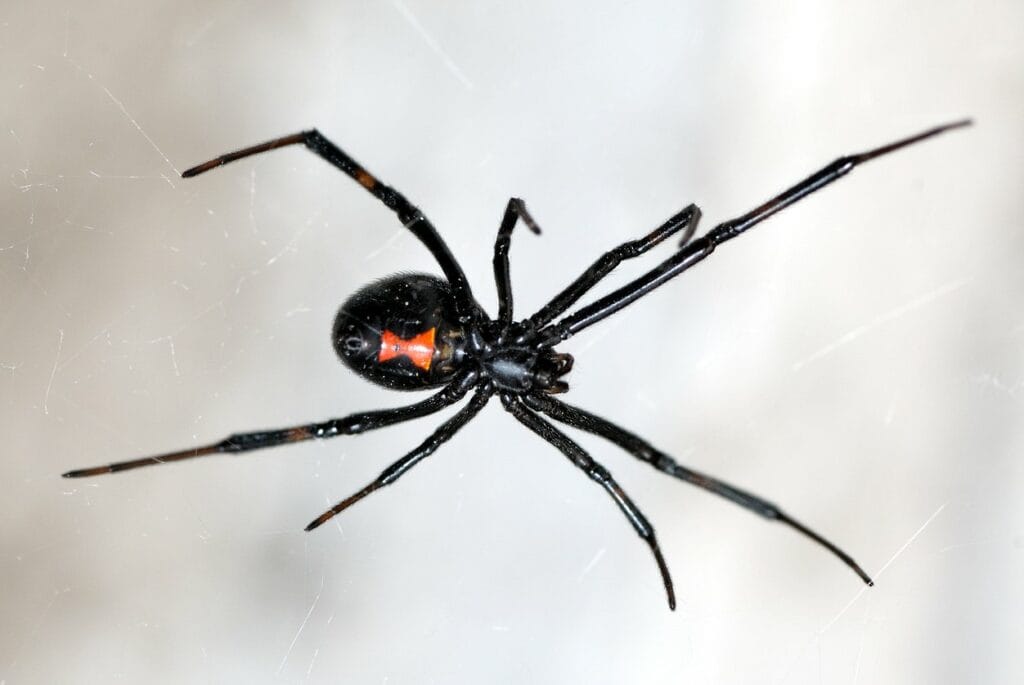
(413,331)
(403,332)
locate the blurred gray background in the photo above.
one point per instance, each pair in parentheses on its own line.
(857,359)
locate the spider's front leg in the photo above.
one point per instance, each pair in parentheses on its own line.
(256,440)
(693,253)
(515,210)
(578,456)
(685,220)
(643,450)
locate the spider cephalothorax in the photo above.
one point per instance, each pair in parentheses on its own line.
(413,331)
(523,368)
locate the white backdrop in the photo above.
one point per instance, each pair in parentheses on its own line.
(857,359)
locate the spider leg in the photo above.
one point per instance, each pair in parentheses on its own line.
(702,247)
(578,456)
(410,216)
(515,210)
(349,425)
(685,220)
(428,447)
(641,449)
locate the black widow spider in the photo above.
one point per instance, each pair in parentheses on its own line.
(410,332)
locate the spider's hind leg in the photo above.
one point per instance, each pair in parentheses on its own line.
(428,447)
(352,424)
(411,217)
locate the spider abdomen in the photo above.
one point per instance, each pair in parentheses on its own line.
(400,332)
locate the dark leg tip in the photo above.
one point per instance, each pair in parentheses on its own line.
(863,576)
(319,521)
(82,473)
(206,166)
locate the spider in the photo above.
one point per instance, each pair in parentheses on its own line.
(416,331)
